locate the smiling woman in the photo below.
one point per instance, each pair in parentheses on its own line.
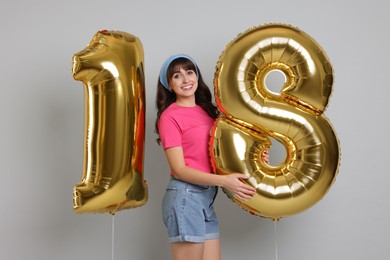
(185,115)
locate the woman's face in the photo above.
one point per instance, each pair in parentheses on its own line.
(184,82)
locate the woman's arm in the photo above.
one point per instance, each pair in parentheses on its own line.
(231,182)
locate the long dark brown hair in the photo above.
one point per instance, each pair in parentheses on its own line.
(164,97)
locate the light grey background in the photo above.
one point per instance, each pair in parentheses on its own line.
(41,111)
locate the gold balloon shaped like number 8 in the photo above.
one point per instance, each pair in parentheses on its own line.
(294,117)
(111,68)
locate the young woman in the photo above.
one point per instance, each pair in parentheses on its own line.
(185,114)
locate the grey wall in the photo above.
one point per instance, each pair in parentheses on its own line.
(41,111)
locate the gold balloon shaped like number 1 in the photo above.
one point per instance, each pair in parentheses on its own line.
(294,117)
(111,68)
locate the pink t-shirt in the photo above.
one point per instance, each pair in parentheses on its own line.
(188,127)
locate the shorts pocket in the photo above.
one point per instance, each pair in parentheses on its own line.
(198,189)
(168,203)
(210,215)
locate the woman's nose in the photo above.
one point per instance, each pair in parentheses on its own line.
(185,78)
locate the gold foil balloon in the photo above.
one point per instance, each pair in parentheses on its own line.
(293,117)
(112,70)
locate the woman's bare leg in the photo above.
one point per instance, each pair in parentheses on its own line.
(212,250)
(187,250)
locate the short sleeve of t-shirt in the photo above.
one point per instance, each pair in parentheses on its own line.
(169,130)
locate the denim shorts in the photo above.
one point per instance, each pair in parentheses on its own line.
(188,212)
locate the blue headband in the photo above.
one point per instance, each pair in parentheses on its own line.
(164,68)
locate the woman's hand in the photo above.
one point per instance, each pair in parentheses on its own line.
(265,156)
(234,184)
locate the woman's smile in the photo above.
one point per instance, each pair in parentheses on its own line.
(188,87)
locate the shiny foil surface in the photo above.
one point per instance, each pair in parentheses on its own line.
(294,117)
(111,69)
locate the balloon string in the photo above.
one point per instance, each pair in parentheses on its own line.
(276,243)
(113,237)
